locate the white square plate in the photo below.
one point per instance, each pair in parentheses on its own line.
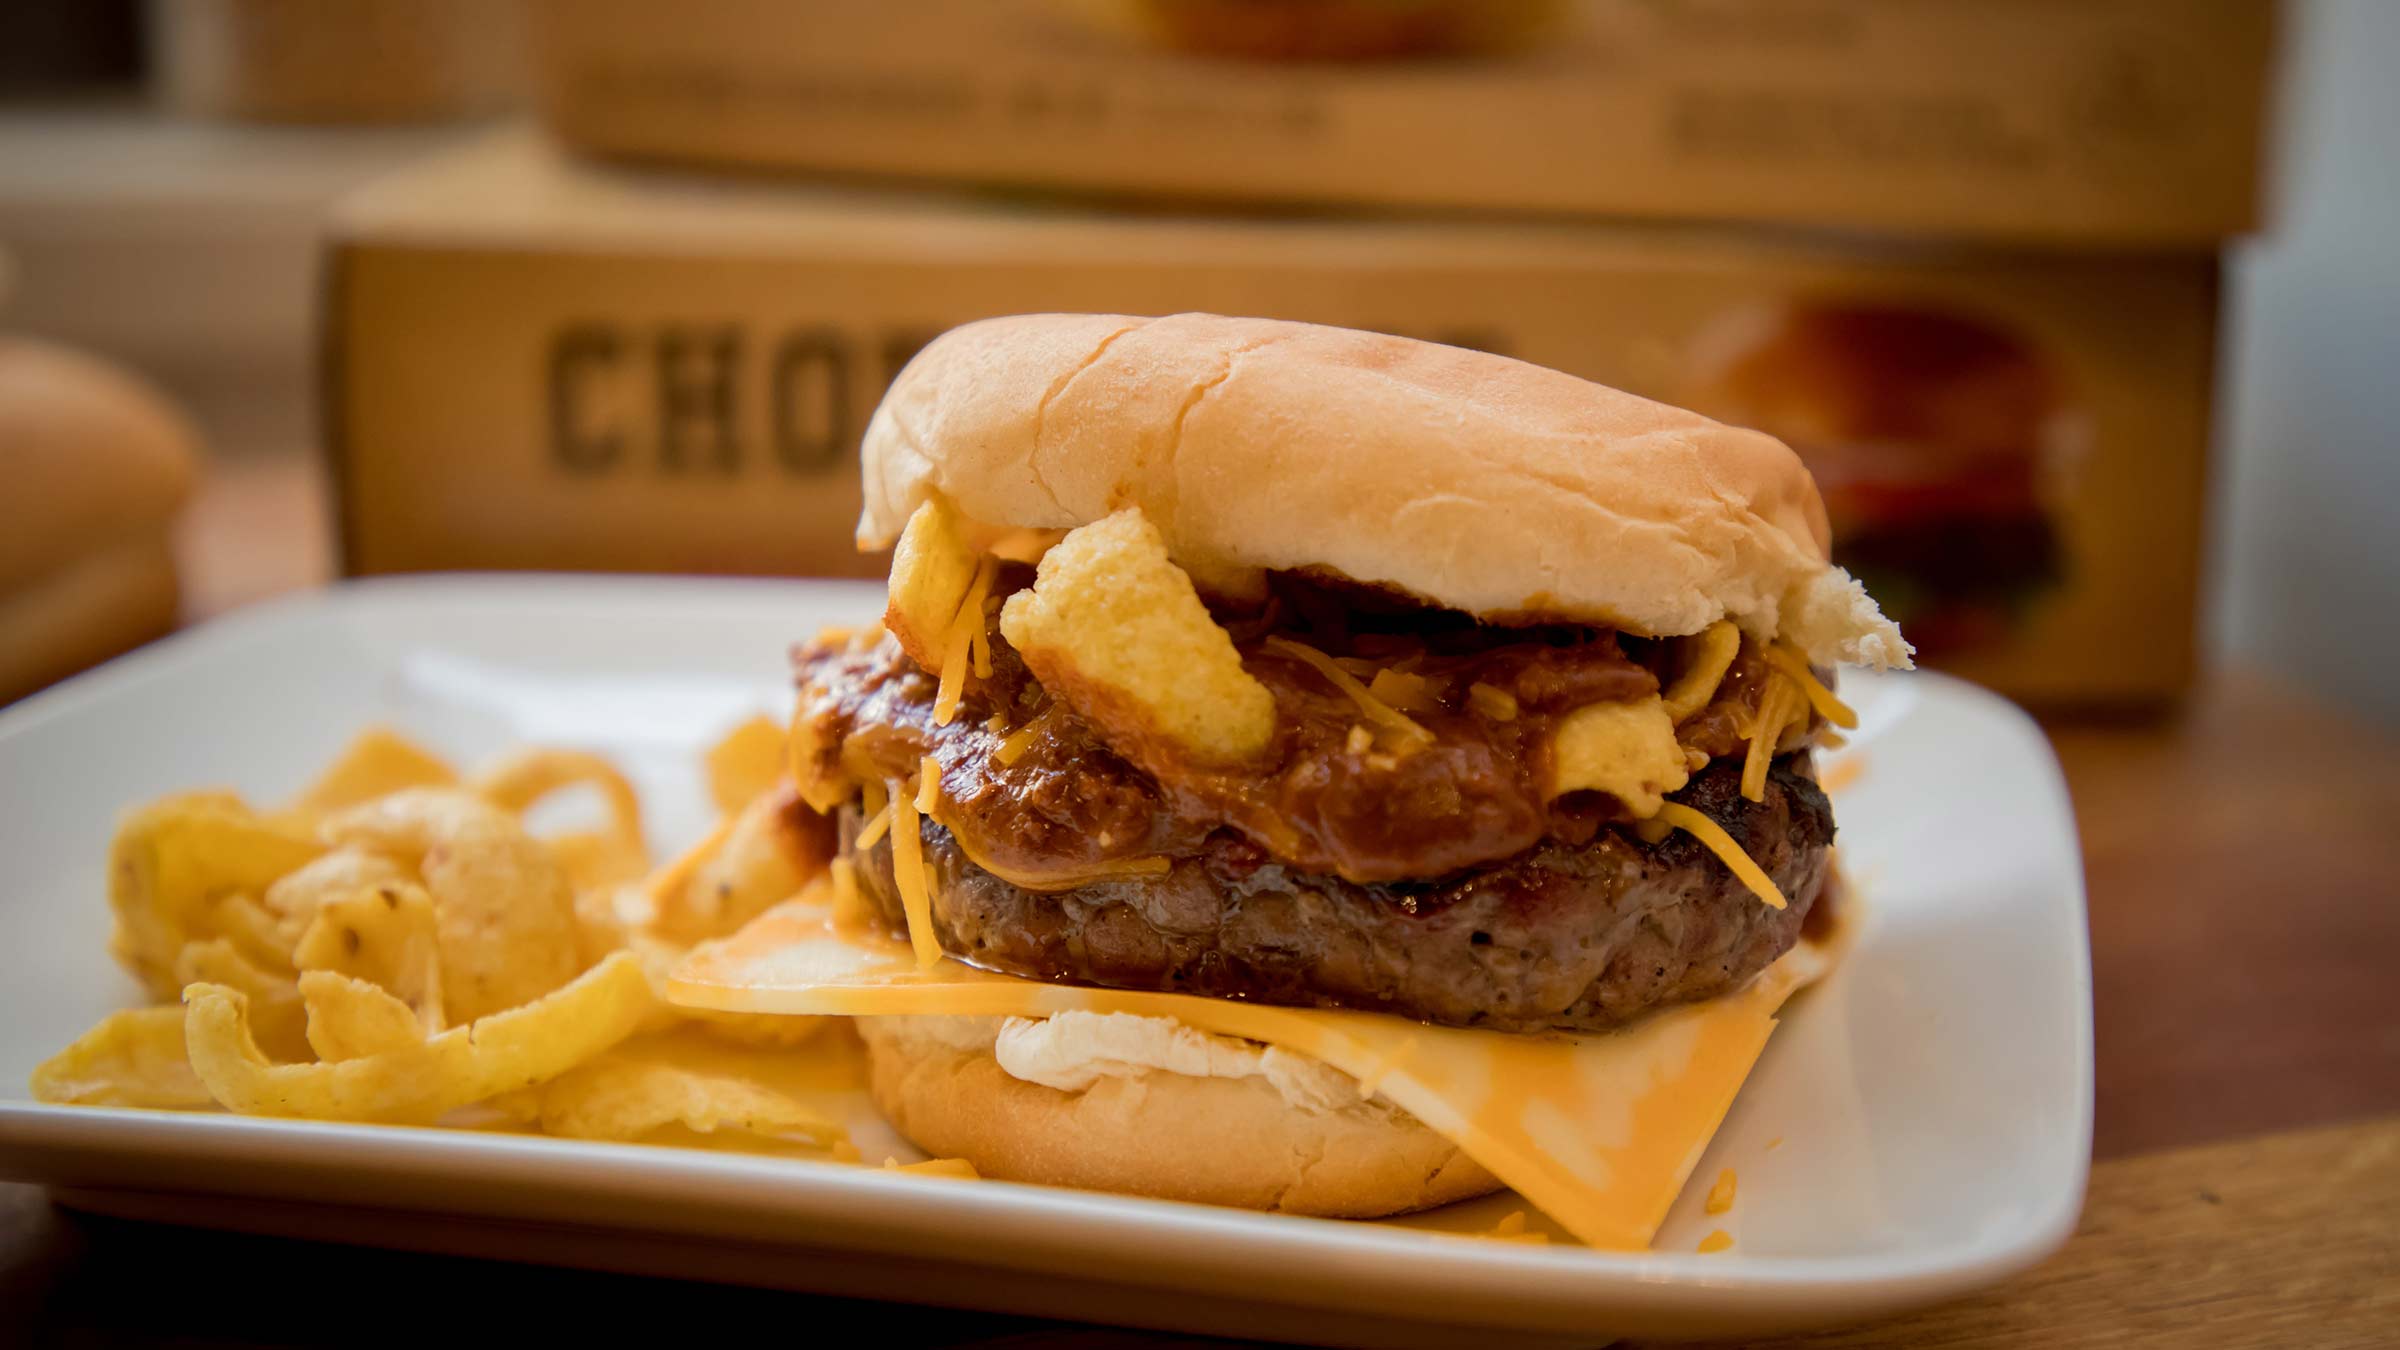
(1919,1126)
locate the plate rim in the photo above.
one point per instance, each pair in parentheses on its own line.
(1562,1280)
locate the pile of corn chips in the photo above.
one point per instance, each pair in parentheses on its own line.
(397,945)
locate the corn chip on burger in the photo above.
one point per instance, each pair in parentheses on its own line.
(1409,706)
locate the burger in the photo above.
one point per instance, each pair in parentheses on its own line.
(1933,435)
(1315,770)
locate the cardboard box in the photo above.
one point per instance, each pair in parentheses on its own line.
(540,364)
(2108,122)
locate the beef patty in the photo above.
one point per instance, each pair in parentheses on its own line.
(1561,937)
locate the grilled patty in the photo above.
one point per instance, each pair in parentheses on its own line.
(1560,937)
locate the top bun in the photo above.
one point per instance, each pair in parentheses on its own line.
(1471,481)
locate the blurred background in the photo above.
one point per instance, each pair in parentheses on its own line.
(2081,310)
(2086,314)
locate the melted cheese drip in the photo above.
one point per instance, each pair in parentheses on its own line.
(1599,1132)
(1114,869)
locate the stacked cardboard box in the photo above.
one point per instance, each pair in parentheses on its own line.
(2128,121)
(539,361)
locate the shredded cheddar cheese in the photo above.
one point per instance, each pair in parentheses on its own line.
(1717,1241)
(872,833)
(908,874)
(1713,836)
(953,684)
(1013,746)
(1493,702)
(929,785)
(1780,703)
(979,640)
(1403,691)
(1720,1195)
(1376,710)
(1792,663)
(965,629)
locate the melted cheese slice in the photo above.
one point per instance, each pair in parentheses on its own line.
(1598,1131)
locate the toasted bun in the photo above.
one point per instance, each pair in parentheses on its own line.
(1219,1141)
(1469,480)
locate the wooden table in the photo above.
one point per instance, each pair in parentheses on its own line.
(2244,868)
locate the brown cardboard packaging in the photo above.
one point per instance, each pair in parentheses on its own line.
(2113,123)
(541,364)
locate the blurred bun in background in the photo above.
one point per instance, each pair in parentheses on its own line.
(97,465)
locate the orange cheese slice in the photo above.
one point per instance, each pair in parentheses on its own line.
(1600,1131)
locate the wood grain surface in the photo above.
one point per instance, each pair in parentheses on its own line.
(2244,865)
(2288,1240)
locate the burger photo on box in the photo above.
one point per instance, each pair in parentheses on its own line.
(1942,442)
(1313,770)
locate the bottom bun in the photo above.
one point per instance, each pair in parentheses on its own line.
(1218,1141)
